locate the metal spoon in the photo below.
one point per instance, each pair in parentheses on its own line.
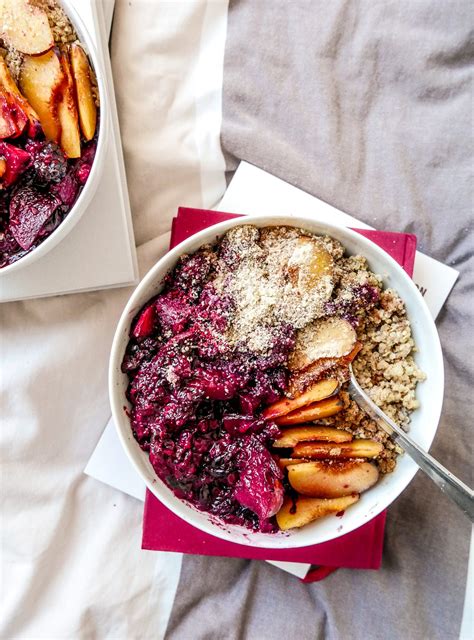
(456,490)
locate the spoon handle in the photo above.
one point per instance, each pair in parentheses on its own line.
(454,488)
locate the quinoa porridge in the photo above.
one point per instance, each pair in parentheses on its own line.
(238,373)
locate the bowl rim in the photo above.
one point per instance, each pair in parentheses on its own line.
(89,189)
(212,525)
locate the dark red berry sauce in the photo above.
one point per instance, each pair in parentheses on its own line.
(38,187)
(196,403)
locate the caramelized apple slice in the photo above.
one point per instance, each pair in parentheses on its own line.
(355,449)
(308,263)
(300,380)
(19,116)
(323,338)
(291,437)
(8,122)
(332,480)
(316,411)
(70,139)
(283,463)
(41,79)
(25,27)
(85,100)
(8,84)
(306,510)
(322,389)
(3,167)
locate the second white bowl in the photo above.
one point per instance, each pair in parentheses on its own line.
(90,187)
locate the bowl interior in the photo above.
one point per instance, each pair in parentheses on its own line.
(89,188)
(424,420)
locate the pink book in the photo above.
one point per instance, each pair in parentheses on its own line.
(359,549)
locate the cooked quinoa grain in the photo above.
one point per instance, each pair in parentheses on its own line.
(385,366)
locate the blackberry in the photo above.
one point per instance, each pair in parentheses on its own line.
(49,162)
(4,211)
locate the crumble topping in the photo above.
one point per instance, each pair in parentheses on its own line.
(275,278)
(385,367)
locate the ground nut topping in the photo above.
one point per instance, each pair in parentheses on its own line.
(275,280)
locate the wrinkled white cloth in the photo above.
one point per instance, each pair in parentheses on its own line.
(72,566)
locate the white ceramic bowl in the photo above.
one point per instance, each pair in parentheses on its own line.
(424,420)
(90,187)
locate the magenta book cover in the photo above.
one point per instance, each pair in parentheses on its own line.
(359,549)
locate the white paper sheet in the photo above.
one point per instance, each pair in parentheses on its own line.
(109,464)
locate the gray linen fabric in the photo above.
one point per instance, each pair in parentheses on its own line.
(367,105)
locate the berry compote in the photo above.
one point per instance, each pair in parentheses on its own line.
(38,188)
(196,401)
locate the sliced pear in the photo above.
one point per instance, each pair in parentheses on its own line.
(291,437)
(41,80)
(355,449)
(8,84)
(324,338)
(300,380)
(25,27)
(318,391)
(317,411)
(85,100)
(332,480)
(305,510)
(70,139)
(308,263)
